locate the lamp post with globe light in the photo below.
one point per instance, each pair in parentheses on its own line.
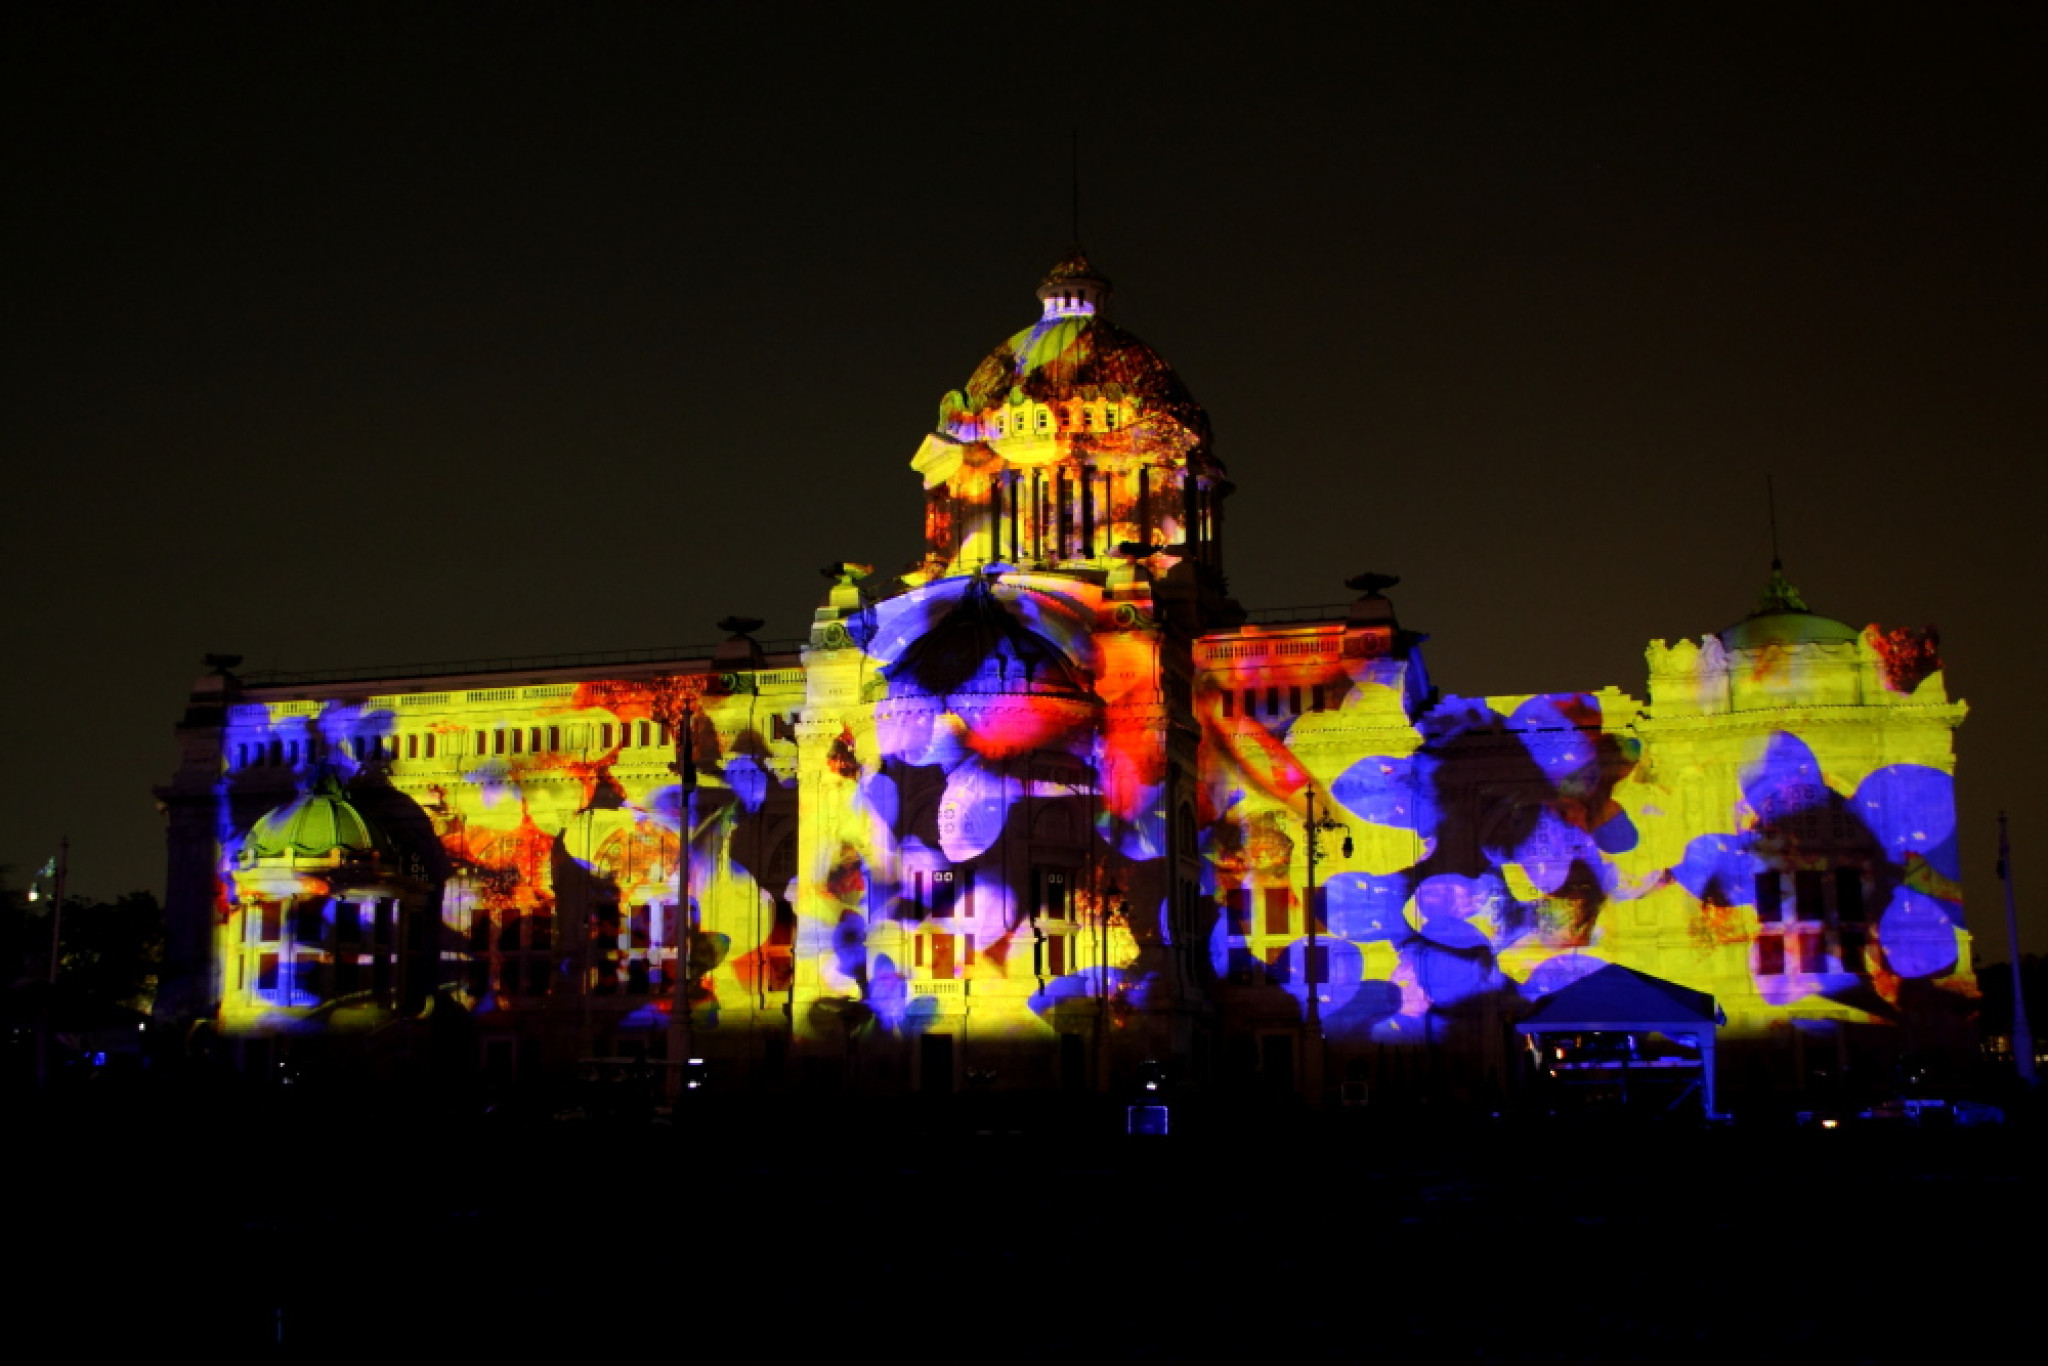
(1314,972)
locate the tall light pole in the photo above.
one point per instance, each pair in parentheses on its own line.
(1313,828)
(680,1041)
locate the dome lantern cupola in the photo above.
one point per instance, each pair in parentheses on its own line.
(1073,288)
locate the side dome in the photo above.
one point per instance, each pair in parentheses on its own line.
(320,824)
(1783,618)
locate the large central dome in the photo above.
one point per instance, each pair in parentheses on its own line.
(1070,440)
(1074,353)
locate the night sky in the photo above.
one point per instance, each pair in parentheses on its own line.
(345,335)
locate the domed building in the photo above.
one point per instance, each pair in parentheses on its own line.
(1049,810)
(314,929)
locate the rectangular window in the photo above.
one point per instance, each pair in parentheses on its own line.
(266,972)
(1770,955)
(1229,700)
(604,736)
(430,744)
(1318,698)
(1318,966)
(1813,952)
(1273,701)
(1853,959)
(643,735)
(517,738)
(1770,898)
(348,923)
(1055,955)
(639,928)
(1294,700)
(1849,898)
(944,890)
(1251,701)
(1237,905)
(967,947)
(1806,896)
(272,926)
(380,932)
(412,745)
(1053,893)
(1279,910)
(554,738)
(312,924)
(1244,968)
(942,954)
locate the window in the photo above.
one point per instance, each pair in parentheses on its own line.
(533,740)
(1251,701)
(1055,893)
(1044,420)
(1806,896)
(1813,952)
(1294,700)
(554,738)
(1770,955)
(1109,418)
(412,745)
(518,738)
(311,928)
(1237,906)
(1279,910)
(270,926)
(1317,966)
(1229,703)
(1055,956)
(644,735)
(1770,894)
(945,888)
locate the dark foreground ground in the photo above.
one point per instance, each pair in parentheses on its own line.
(358,1228)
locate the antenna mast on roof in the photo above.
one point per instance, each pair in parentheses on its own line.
(1074,170)
(1771,503)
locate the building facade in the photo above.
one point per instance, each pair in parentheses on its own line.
(1050,808)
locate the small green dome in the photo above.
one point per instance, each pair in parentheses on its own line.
(318,824)
(1783,618)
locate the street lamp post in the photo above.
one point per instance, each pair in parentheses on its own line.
(680,1039)
(1313,828)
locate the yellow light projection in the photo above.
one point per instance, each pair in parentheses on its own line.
(1047,809)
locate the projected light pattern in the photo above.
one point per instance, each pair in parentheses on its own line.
(1047,793)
